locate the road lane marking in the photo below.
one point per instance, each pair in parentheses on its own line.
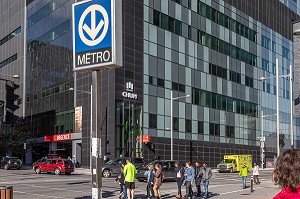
(39,195)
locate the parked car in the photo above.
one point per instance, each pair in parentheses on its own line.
(55,165)
(10,162)
(168,169)
(112,167)
(42,160)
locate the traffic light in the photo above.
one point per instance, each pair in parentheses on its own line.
(10,104)
(281,141)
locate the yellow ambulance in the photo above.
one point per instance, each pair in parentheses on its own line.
(232,163)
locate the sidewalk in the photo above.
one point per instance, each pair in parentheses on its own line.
(82,171)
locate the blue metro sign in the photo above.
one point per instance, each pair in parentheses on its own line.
(94,41)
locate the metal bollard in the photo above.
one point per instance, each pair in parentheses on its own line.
(251,190)
(6,192)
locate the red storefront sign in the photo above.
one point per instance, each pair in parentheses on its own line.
(57,138)
(146,138)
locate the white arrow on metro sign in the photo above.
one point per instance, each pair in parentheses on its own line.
(97,34)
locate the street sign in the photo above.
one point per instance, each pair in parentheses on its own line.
(97,34)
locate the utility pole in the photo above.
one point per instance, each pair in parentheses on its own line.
(96,137)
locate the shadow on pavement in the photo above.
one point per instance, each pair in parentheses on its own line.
(82,182)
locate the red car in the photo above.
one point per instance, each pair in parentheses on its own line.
(55,165)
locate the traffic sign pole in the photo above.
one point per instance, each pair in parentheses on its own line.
(96,137)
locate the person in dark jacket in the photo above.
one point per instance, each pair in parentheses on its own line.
(150,181)
(198,178)
(121,179)
(179,176)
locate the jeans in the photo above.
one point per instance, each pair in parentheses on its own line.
(124,192)
(179,184)
(244,179)
(256,180)
(189,189)
(150,190)
(198,185)
(205,185)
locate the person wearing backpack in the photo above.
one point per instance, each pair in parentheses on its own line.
(179,176)
(158,175)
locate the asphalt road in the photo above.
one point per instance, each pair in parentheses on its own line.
(28,185)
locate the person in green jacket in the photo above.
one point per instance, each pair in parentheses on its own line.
(129,174)
(244,174)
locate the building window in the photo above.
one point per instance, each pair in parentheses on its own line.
(188,126)
(10,36)
(150,80)
(200,127)
(265,42)
(174,86)
(175,124)
(214,129)
(152,121)
(181,88)
(160,82)
(230,132)
(8,61)
(156,18)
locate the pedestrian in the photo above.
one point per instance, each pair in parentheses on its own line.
(244,173)
(129,174)
(206,175)
(150,181)
(121,179)
(256,173)
(189,178)
(74,160)
(287,171)
(158,176)
(198,177)
(179,176)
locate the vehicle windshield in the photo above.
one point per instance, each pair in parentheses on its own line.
(227,161)
(68,162)
(110,162)
(139,160)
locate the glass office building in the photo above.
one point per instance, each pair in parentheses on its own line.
(216,51)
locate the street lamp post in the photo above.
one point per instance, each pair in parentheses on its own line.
(172,137)
(277,105)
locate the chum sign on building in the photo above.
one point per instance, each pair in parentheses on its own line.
(97,34)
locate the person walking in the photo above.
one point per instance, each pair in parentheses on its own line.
(287,171)
(150,181)
(244,173)
(206,174)
(198,178)
(121,179)
(129,174)
(179,177)
(189,178)
(256,173)
(158,176)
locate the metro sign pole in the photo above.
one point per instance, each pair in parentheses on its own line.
(97,45)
